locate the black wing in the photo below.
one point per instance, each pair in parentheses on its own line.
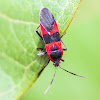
(46,19)
(55,37)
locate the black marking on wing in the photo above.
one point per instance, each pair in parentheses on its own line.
(46,19)
(51,38)
(46,38)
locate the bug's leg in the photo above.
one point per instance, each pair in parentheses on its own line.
(44,66)
(40,37)
(41,54)
(62,60)
(64,45)
(47,63)
(38,32)
(40,49)
(63,34)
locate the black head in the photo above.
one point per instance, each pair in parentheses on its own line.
(55,54)
(56,63)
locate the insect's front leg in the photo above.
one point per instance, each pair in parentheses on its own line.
(41,54)
(62,60)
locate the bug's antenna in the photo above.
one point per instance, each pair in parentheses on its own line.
(70,72)
(51,82)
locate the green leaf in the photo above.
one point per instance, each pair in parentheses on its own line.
(19,64)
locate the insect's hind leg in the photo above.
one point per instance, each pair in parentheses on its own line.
(40,37)
(38,32)
(64,46)
(63,34)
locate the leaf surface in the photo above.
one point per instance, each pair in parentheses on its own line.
(19,64)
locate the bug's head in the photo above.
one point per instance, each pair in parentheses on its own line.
(56,63)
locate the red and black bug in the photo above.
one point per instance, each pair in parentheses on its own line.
(51,37)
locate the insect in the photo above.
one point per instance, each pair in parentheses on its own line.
(51,36)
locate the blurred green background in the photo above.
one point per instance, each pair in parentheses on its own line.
(82,57)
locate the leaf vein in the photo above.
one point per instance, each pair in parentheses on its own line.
(16,20)
(11,58)
(14,33)
(62,11)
